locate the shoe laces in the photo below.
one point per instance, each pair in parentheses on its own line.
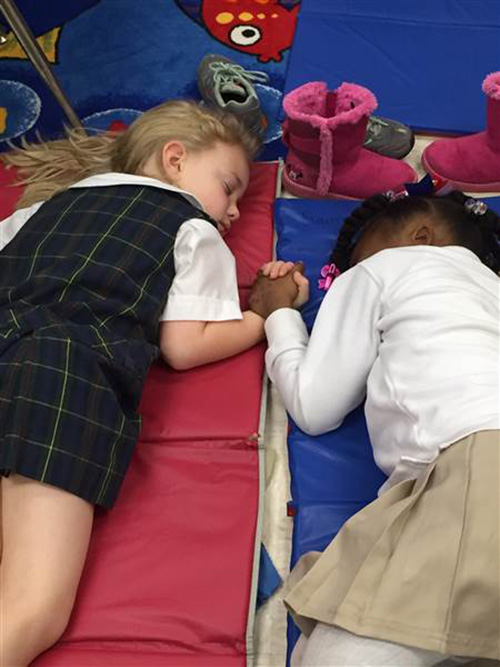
(230,73)
(375,126)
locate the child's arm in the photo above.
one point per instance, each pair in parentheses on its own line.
(203,321)
(322,378)
(186,344)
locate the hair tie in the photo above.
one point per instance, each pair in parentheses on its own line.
(475,206)
(328,274)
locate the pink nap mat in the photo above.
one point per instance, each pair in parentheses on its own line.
(170,576)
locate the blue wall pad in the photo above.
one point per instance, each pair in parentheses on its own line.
(332,475)
(424,60)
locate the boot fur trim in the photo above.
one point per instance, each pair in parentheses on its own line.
(308,104)
(491,85)
(325,161)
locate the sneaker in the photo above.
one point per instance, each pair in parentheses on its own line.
(388,137)
(224,84)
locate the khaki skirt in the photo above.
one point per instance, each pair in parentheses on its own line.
(420,565)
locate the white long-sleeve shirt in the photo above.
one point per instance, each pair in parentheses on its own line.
(417,331)
(204,287)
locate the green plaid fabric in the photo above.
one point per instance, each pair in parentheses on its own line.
(82,288)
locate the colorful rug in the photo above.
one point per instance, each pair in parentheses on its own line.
(116,58)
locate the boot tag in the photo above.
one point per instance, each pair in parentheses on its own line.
(294,175)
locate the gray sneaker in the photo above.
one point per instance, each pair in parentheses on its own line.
(224,84)
(388,137)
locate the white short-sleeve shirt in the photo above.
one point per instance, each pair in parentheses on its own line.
(204,287)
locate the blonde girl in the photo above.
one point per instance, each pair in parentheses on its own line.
(108,228)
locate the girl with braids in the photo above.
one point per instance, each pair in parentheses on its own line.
(412,325)
(85,270)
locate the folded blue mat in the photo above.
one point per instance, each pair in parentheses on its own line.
(424,60)
(332,475)
(269,577)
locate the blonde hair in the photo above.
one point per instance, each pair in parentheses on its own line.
(49,167)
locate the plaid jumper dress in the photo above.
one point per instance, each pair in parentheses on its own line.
(82,287)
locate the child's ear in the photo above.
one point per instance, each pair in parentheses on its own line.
(423,235)
(173,156)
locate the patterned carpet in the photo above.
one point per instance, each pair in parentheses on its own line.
(115,58)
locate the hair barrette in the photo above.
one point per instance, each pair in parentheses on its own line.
(476,206)
(426,187)
(394,195)
(328,274)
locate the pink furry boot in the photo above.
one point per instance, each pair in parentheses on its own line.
(471,163)
(324,131)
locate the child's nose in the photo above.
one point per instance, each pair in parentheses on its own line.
(233,212)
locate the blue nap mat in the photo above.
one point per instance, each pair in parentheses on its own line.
(424,60)
(332,475)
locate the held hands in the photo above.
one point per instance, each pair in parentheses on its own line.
(279,285)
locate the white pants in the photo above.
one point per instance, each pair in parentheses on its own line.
(330,646)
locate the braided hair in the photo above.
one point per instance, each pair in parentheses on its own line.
(477,232)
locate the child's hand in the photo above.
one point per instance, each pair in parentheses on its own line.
(288,291)
(279,269)
(276,269)
(302,286)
